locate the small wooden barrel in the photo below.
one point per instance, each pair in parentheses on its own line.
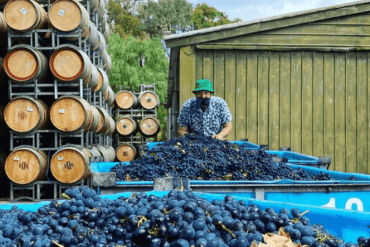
(26,164)
(107,62)
(101,8)
(126,126)
(149,126)
(70,114)
(93,38)
(102,44)
(24,114)
(95,119)
(106,31)
(3,25)
(71,164)
(109,96)
(94,5)
(148,100)
(104,120)
(69,15)
(68,64)
(126,100)
(23,64)
(126,152)
(25,15)
(103,81)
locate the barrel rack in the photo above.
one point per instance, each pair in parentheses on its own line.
(46,41)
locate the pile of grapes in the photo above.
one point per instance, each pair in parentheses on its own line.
(178,219)
(205,158)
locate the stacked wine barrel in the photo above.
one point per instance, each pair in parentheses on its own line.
(68,63)
(129,124)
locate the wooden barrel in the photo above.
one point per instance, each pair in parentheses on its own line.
(68,64)
(3,25)
(93,38)
(126,126)
(95,119)
(148,100)
(25,15)
(126,152)
(70,114)
(69,15)
(107,62)
(106,153)
(23,64)
(71,164)
(26,164)
(101,9)
(3,157)
(149,126)
(102,44)
(94,5)
(24,114)
(109,96)
(126,100)
(103,81)
(104,121)
(112,126)
(106,31)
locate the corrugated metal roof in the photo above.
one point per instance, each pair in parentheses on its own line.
(186,37)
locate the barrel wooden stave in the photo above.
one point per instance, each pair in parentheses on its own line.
(24,64)
(25,15)
(126,152)
(71,164)
(24,114)
(149,126)
(148,100)
(25,165)
(126,100)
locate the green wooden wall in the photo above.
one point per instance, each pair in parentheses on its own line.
(315,102)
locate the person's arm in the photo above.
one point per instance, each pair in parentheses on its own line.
(227,128)
(182,131)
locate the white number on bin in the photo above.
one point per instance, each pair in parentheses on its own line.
(60,158)
(16,158)
(29,109)
(349,204)
(61,12)
(61,111)
(23,10)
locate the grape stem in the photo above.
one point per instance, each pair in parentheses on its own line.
(57,244)
(141,221)
(65,196)
(224,228)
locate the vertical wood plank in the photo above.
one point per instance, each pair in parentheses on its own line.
(274,101)
(241,95)
(351,117)
(252,100)
(187,73)
(263,100)
(329,120)
(340,112)
(318,97)
(307,103)
(285,99)
(230,77)
(198,69)
(219,73)
(296,97)
(361,113)
(208,65)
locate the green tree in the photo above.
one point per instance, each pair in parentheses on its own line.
(139,62)
(122,22)
(205,16)
(165,15)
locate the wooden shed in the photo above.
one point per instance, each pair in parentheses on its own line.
(299,80)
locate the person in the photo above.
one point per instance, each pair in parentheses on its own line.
(205,114)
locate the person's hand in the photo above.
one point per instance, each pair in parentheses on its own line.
(218,137)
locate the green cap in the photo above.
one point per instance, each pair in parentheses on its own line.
(203,85)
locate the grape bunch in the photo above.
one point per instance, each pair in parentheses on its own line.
(205,158)
(178,219)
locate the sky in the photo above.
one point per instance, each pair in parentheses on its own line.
(256,9)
